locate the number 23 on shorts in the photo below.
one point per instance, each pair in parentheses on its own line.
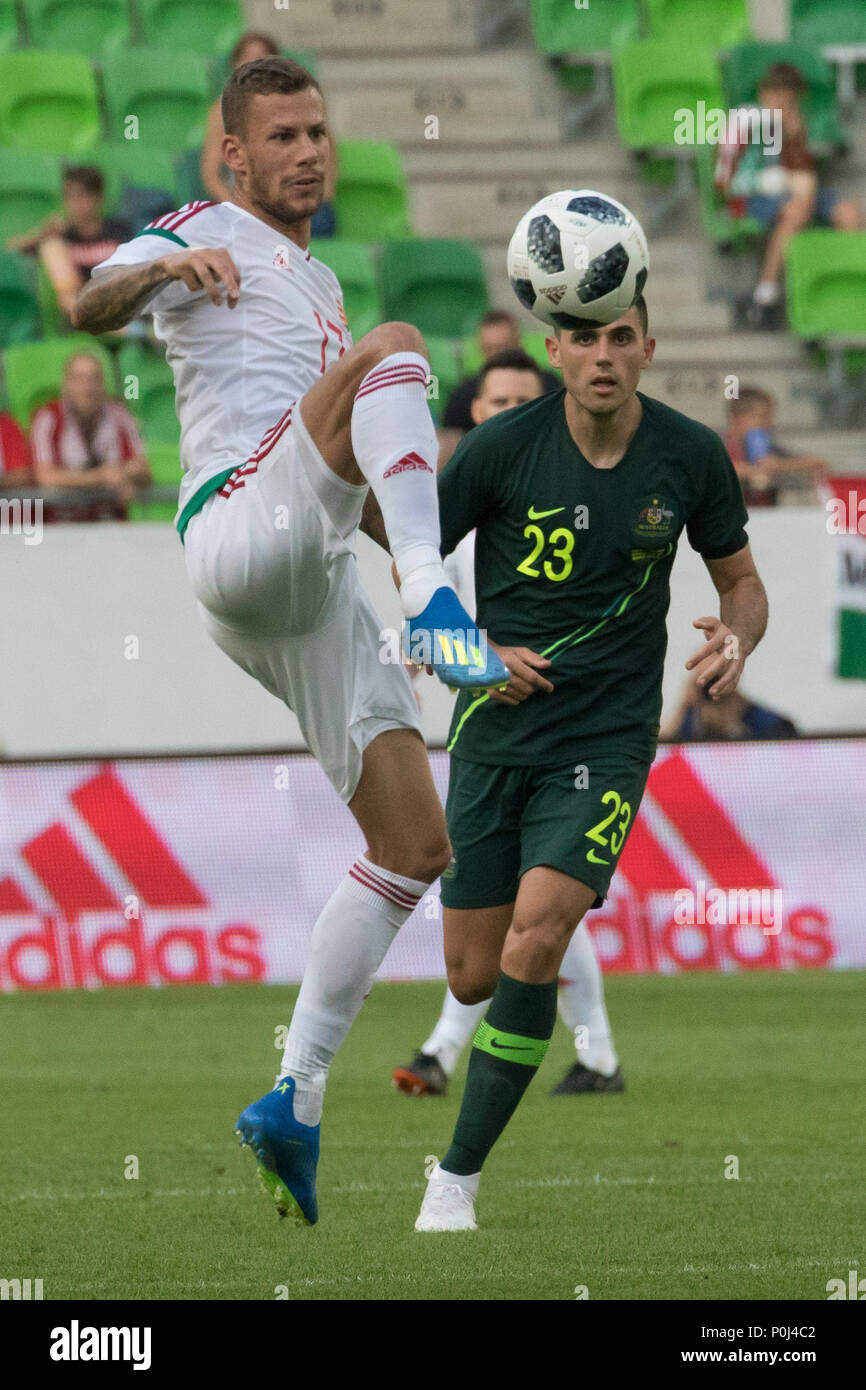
(612,839)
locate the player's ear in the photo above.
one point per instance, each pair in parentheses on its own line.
(552,345)
(649,347)
(475,410)
(233,155)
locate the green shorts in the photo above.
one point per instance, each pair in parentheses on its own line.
(506,820)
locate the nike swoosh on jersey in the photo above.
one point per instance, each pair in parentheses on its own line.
(536,516)
(594,859)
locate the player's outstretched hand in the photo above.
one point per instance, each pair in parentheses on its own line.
(205,268)
(526,679)
(719,663)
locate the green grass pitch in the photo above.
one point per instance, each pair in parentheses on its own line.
(625,1194)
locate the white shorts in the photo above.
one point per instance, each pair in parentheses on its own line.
(271,560)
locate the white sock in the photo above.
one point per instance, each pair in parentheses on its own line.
(581,1002)
(349,943)
(454,1027)
(468,1181)
(394,441)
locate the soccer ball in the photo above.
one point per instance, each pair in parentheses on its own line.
(578,258)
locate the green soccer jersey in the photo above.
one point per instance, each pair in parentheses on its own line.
(574,562)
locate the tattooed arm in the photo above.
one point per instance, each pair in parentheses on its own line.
(113,299)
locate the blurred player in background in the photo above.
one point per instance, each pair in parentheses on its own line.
(285,426)
(498,331)
(579,499)
(508,379)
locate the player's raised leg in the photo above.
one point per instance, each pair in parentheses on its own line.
(369,419)
(404,855)
(511,1041)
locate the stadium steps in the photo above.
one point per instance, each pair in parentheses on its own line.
(497,98)
(676,286)
(843,449)
(369,27)
(689,374)
(699,391)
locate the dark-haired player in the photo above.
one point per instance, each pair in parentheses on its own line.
(508,379)
(284,426)
(579,499)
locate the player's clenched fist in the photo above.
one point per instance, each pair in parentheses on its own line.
(205,268)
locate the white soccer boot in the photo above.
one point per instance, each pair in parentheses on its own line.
(449,1202)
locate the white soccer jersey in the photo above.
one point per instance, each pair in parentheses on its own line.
(237,370)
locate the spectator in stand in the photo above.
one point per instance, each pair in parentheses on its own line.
(761,462)
(85,439)
(248,49)
(16,469)
(732,717)
(498,332)
(71,243)
(781,191)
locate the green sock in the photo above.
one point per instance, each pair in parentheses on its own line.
(507,1051)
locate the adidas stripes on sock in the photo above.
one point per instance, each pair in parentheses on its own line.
(350,940)
(394,442)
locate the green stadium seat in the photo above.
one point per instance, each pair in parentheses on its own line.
(826,284)
(19,304)
(726,232)
(167,91)
(196,26)
(745,65)
(140,180)
(535,345)
(187,169)
(470,356)
(438,285)
(718,24)
(77,26)
(10,35)
(831,22)
(30,190)
(371,201)
(147,389)
(34,371)
(48,102)
(53,323)
(559,28)
(652,82)
(164,460)
(445,368)
(352,263)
